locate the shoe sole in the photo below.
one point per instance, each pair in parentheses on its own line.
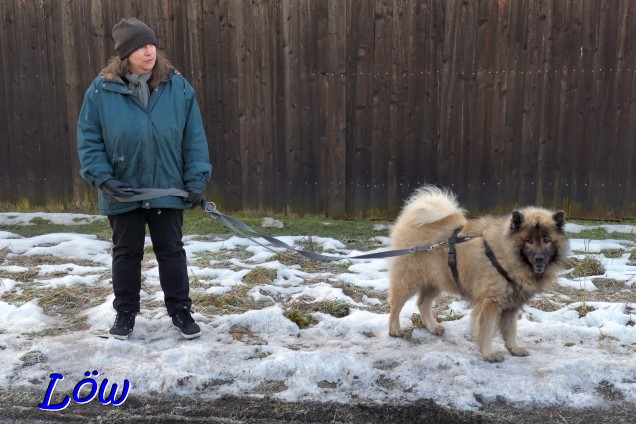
(190,336)
(118,337)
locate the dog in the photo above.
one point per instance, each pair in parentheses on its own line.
(501,263)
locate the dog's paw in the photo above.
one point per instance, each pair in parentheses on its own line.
(438,330)
(396,333)
(493,357)
(519,351)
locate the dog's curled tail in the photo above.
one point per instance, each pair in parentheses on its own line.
(431,204)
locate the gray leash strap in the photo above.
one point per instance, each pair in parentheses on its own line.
(248,232)
(140,194)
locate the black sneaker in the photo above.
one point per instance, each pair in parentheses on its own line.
(124,323)
(183,320)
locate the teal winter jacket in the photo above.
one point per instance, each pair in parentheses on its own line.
(161,146)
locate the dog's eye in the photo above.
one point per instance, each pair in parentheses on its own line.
(546,240)
(529,241)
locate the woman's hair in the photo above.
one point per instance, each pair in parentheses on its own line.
(118,68)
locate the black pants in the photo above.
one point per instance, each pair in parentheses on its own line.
(129,232)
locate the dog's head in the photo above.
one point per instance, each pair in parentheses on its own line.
(540,237)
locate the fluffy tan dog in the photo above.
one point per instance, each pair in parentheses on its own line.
(527,250)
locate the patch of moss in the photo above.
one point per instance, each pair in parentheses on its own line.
(584,309)
(302,318)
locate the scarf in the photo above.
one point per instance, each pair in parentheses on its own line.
(139,84)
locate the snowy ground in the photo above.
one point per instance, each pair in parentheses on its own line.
(581,336)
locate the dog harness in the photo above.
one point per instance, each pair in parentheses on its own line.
(452,255)
(493,260)
(452,259)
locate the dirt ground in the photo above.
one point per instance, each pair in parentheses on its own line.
(18,407)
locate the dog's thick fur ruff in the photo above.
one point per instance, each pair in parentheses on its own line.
(530,244)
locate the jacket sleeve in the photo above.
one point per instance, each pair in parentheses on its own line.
(197,167)
(94,166)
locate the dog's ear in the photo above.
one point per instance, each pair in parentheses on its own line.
(559,220)
(517,220)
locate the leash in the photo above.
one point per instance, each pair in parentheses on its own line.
(248,232)
(239,227)
(140,194)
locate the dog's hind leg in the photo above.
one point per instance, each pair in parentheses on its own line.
(508,327)
(485,317)
(425,304)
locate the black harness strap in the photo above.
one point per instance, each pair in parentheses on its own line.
(452,255)
(493,260)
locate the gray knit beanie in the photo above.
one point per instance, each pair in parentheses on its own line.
(131,34)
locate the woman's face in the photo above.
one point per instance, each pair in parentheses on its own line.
(142,60)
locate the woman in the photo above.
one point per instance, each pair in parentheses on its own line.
(140,127)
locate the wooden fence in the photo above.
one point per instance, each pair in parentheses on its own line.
(344,107)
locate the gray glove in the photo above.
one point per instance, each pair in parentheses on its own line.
(195,197)
(115,187)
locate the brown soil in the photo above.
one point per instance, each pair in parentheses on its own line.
(22,407)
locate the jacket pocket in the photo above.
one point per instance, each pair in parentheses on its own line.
(118,167)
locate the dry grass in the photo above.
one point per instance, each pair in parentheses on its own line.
(587,267)
(358,295)
(33,357)
(612,253)
(335,308)
(260,275)
(32,261)
(608,291)
(291,258)
(3,254)
(65,303)
(22,277)
(547,304)
(416,319)
(245,335)
(584,309)
(65,298)
(222,257)
(236,301)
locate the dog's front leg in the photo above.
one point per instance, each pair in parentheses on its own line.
(487,314)
(508,327)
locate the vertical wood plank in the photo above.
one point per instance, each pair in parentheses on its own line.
(289,94)
(336,107)
(622,186)
(230,142)
(210,98)
(360,74)
(314,183)
(398,96)
(9,176)
(380,134)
